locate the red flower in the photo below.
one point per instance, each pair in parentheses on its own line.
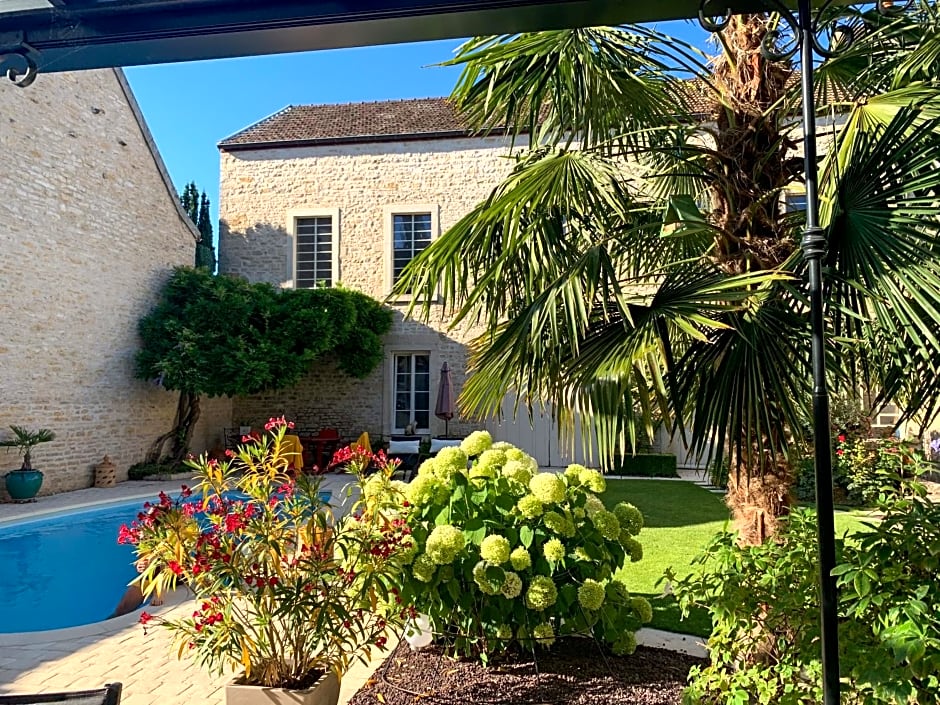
(175,567)
(841,438)
(185,491)
(839,451)
(145,617)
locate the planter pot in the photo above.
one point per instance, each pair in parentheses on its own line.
(23,484)
(324,692)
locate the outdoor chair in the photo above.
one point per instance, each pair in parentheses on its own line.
(108,695)
(405,449)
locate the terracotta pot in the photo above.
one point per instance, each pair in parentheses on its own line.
(324,692)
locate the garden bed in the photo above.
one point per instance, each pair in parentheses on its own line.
(573,672)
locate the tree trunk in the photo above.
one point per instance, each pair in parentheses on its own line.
(180,436)
(753,164)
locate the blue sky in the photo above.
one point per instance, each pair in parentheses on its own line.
(191,107)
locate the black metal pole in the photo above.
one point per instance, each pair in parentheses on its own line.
(814,248)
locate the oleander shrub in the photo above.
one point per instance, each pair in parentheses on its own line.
(506,555)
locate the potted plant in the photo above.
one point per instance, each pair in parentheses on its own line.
(283,591)
(23,484)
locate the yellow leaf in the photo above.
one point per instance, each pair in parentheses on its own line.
(380,697)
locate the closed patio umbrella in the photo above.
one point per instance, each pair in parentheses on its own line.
(444,409)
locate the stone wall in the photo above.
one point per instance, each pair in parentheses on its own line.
(262,190)
(90,231)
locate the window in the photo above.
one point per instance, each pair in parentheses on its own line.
(412,391)
(316,247)
(409,230)
(794,202)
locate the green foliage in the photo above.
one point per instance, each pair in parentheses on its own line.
(223,336)
(764,608)
(504,554)
(25,440)
(763,600)
(719,472)
(141,471)
(649,465)
(873,470)
(890,598)
(196,207)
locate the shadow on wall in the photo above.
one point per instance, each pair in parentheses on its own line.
(327,397)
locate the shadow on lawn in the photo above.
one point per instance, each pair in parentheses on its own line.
(668,504)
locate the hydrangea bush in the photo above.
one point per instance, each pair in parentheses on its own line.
(503,554)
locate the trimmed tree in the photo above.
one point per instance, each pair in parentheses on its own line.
(196,205)
(222,336)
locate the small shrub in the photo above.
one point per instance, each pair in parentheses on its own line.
(873,470)
(763,601)
(649,465)
(504,554)
(141,471)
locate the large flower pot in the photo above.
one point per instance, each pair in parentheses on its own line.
(324,692)
(23,484)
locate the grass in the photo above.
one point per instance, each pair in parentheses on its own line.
(680,520)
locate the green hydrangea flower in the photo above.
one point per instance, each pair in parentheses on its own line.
(444,543)
(625,644)
(558,524)
(593,480)
(617,592)
(476,443)
(573,474)
(485,471)
(634,549)
(630,517)
(592,505)
(607,524)
(422,490)
(544,634)
(548,487)
(517,471)
(520,559)
(452,459)
(376,486)
(423,568)
(493,457)
(503,445)
(426,469)
(541,594)
(530,507)
(643,609)
(554,550)
(504,632)
(512,586)
(513,453)
(495,549)
(591,595)
(578,513)
(581,555)
(487,586)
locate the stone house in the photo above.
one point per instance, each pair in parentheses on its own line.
(320,194)
(91,227)
(328,194)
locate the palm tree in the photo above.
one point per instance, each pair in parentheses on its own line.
(640,264)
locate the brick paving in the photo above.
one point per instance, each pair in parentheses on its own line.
(118,649)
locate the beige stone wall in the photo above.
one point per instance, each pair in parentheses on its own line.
(261,191)
(89,232)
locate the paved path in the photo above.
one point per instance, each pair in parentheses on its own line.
(118,649)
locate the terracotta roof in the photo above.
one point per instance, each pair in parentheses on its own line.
(418,118)
(377,121)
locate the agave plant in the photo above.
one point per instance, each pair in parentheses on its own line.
(25,440)
(640,262)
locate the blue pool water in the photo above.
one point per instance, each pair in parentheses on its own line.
(64,571)
(69,569)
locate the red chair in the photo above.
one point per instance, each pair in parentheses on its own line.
(319,449)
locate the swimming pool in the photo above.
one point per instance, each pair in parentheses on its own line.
(65,570)
(68,570)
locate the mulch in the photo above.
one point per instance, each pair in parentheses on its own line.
(573,672)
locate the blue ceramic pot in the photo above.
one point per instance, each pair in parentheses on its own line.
(23,484)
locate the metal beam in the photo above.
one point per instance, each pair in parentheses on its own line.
(83,34)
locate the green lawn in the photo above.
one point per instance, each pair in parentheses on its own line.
(680,519)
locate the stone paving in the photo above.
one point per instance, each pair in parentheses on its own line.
(118,649)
